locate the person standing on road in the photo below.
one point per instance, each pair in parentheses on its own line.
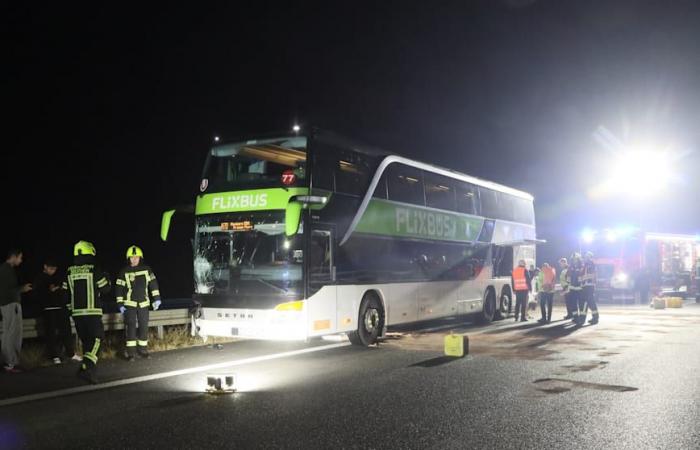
(574,277)
(56,317)
(11,309)
(546,279)
(85,286)
(134,284)
(588,282)
(522,285)
(564,282)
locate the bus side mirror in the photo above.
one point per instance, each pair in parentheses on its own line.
(168,217)
(292,217)
(165,224)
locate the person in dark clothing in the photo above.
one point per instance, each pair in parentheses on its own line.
(11,310)
(136,290)
(85,285)
(50,298)
(522,285)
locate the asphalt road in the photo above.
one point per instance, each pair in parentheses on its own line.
(633,381)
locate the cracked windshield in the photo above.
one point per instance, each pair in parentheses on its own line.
(247,257)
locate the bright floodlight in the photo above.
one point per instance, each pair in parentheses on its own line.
(587,236)
(641,173)
(611,235)
(296,128)
(216,138)
(221,383)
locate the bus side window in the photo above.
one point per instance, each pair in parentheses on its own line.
(405,184)
(466,198)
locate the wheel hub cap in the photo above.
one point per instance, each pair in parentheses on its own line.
(371,319)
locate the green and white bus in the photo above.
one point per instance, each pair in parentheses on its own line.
(312,234)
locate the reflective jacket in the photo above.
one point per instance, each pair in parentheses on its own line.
(84,286)
(574,277)
(520,279)
(136,287)
(546,279)
(588,277)
(564,280)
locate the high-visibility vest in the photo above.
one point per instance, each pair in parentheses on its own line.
(564,280)
(548,276)
(519,279)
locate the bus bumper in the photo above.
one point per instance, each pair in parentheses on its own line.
(252,324)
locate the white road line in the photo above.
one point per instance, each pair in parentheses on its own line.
(158,376)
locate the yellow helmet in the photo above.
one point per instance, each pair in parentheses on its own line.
(134,251)
(84,248)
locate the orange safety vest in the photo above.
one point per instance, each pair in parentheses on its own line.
(548,275)
(519,280)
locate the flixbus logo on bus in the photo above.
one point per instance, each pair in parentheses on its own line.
(255,200)
(230,202)
(425,223)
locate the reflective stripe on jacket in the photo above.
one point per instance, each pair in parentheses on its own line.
(136,286)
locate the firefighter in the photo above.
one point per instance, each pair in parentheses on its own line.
(85,286)
(564,282)
(522,285)
(588,281)
(136,286)
(574,280)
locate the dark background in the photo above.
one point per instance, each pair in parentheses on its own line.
(109,110)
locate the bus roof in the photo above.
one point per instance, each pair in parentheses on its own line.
(334,138)
(375,151)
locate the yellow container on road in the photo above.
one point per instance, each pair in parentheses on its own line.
(674,302)
(456,345)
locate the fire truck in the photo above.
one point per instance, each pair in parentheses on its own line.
(633,265)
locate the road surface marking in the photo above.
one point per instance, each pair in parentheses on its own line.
(159,376)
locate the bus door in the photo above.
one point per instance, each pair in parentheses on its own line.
(322,279)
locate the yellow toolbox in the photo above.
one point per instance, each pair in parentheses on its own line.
(658,303)
(674,302)
(456,345)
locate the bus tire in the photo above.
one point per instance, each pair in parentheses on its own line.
(504,304)
(370,321)
(488,312)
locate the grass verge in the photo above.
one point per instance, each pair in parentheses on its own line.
(34,352)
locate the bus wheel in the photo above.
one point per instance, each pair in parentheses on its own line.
(489,311)
(369,323)
(504,305)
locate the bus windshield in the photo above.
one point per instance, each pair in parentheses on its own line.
(257,163)
(237,257)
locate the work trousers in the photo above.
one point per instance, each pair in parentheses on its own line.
(521,304)
(57,332)
(136,321)
(11,333)
(574,297)
(91,334)
(546,302)
(588,300)
(571,305)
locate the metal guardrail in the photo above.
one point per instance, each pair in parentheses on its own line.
(115,321)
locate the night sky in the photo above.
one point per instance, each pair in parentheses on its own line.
(109,110)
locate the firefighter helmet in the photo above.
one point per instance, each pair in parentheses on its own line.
(589,255)
(84,248)
(134,251)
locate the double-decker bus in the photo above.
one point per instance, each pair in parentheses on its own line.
(305,235)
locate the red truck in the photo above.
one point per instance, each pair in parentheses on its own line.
(633,265)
